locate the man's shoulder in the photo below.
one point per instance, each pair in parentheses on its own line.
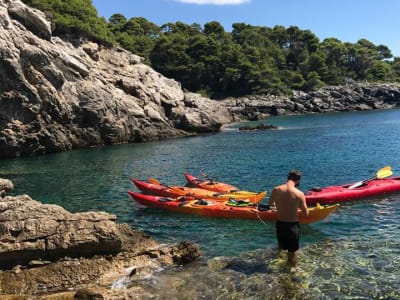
(279,187)
(299,192)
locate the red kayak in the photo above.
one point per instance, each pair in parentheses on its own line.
(342,193)
(230,209)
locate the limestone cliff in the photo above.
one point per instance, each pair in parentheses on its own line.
(58,95)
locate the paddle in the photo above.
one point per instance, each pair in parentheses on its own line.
(382,173)
(173,189)
(206,176)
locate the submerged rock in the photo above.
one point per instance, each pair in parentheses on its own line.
(257,127)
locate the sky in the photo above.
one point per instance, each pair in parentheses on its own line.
(347,20)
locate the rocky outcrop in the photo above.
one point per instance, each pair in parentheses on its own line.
(44,248)
(58,95)
(30,230)
(351,97)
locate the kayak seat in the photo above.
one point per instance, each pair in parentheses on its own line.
(165,199)
(184,198)
(201,202)
(218,194)
(263,207)
(316,189)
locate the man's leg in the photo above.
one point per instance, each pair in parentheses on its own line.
(292,259)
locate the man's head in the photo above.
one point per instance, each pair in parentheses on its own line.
(294,175)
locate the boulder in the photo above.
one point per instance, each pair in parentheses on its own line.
(30,230)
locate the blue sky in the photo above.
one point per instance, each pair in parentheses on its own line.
(348,20)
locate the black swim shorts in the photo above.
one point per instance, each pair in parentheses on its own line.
(287,234)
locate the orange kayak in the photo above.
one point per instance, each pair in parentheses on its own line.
(227,209)
(157,189)
(212,185)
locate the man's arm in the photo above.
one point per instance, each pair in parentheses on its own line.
(303,204)
(271,201)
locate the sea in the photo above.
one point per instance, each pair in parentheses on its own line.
(352,254)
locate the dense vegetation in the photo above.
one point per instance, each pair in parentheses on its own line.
(77,17)
(247,60)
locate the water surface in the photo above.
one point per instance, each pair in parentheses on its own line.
(359,243)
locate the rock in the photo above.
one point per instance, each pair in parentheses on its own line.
(33,19)
(58,94)
(86,294)
(30,230)
(46,249)
(64,93)
(5,186)
(257,127)
(350,97)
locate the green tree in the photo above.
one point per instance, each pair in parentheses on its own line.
(76,17)
(136,34)
(313,82)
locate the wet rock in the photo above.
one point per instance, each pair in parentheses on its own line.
(257,127)
(85,294)
(45,249)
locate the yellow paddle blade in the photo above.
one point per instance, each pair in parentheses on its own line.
(389,168)
(384,173)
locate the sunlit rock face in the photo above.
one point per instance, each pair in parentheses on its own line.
(58,95)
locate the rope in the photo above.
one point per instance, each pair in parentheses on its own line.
(258,216)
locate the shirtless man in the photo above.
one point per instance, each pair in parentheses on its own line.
(287,199)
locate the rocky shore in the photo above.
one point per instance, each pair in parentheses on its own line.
(58,94)
(350,97)
(46,250)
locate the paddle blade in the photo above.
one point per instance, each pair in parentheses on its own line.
(384,173)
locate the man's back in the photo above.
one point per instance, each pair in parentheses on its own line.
(287,201)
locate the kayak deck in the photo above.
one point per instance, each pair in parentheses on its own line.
(342,193)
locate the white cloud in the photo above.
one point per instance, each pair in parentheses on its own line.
(214,2)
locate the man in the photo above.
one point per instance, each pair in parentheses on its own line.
(287,199)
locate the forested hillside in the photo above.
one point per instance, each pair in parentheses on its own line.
(248,60)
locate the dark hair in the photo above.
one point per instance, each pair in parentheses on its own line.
(294,175)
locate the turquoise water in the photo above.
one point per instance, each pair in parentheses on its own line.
(330,149)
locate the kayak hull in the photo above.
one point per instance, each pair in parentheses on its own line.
(175,191)
(189,205)
(342,193)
